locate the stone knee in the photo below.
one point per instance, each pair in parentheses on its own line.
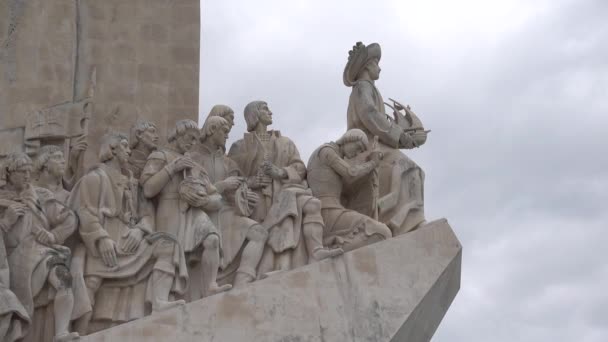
(212,241)
(60,277)
(311,211)
(257,233)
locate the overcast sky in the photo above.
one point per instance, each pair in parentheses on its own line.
(516,95)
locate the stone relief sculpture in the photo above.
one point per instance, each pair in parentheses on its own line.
(401,188)
(37,224)
(151,227)
(328,172)
(128,263)
(274,171)
(185,218)
(237,230)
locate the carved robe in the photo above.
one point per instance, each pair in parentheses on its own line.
(281,203)
(401,191)
(104,201)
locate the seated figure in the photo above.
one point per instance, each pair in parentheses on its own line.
(36,225)
(288,210)
(237,230)
(130,269)
(328,170)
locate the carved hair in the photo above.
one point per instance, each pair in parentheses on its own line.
(138,128)
(180,128)
(211,126)
(353,135)
(220,110)
(16,161)
(252,112)
(109,142)
(44,154)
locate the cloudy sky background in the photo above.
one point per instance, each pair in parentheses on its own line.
(516,95)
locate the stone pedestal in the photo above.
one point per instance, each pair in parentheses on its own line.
(396,290)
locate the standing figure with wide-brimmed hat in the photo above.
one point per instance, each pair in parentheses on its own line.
(400,200)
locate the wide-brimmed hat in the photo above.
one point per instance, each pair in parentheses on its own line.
(357,59)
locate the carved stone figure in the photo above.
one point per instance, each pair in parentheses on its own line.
(224,112)
(50,168)
(128,263)
(274,171)
(237,231)
(143,140)
(401,188)
(37,224)
(162,178)
(14,320)
(328,171)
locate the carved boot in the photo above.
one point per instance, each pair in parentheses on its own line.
(161,287)
(63,305)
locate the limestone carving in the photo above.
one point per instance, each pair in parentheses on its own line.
(181,213)
(237,230)
(128,263)
(328,172)
(274,171)
(401,181)
(36,226)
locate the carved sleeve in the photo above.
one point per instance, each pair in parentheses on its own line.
(62,219)
(155,176)
(295,169)
(375,121)
(349,173)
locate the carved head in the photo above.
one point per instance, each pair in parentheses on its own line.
(362,60)
(146,133)
(17,168)
(353,142)
(114,145)
(184,135)
(257,112)
(215,130)
(223,111)
(50,159)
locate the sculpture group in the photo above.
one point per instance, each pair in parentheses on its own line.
(153,226)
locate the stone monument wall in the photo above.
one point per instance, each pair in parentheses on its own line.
(136,59)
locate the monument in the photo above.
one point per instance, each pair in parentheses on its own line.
(165,233)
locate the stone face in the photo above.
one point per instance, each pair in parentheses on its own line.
(395,290)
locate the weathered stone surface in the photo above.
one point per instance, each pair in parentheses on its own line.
(396,290)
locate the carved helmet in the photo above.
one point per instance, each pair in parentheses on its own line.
(357,59)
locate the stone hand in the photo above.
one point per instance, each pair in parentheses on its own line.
(80,145)
(274,171)
(107,250)
(45,237)
(13,213)
(252,198)
(181,163)
(231,183)
(376,156)
(258,181)
(134,237)
(405,140)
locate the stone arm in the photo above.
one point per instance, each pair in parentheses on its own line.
(155,175)
(147,215)
(295,168)
(88,209)
(62,219)
(349,173)
(375,121)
